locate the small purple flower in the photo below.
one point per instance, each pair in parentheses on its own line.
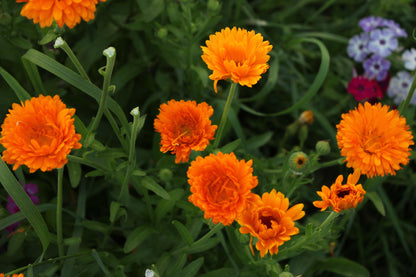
(395,27)
(31,189)
(357,47)
(409,58)
(399,87)
(370,23)
(382,42)
(376,67)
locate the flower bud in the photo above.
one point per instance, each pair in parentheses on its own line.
(322,147)
(213,5)
(162,33)
(306,117)
(298,162)
(165,175)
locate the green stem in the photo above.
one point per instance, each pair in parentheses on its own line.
(60,43)
(405,104)
(110,53)
(60,240)
(225,115)
(328,220)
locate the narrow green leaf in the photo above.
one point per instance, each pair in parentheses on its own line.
(151,184)
(260,140)
(20,92)
(183,231)
(343,267)
(22,200)
(230,147)
(193,268)
(202,246)
(74,172)
(15,243)
(13,218)
(375,198)
(34,77)
(101,264)
(96,226)
(136,237)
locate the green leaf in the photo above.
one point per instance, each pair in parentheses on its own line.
(74,172)
(260,140)
(343,267)
(136,237)
(230,147)
(20,92)
(225,271)
(151,184)
(15,243)
(183,231)
(202,246)
(375,198)
(22,200)
(116,212)
(96,226)
(193,268)
(150,9)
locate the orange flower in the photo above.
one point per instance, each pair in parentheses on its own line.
(236,54)
(220,186)
(67,12)
(341,197)
(184,126)
(270,220)
(374,139)
(39,133)
(14,275)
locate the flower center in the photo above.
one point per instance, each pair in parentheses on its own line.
(372,143)
(343,193)
(44,135)
(222,189)
(267,221)
(382,42)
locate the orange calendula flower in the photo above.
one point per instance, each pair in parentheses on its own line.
(184,126)
(271,221)
(14,275)
(374,139)
(39,133)
(221,186)
(236,54)
(64,12)
(341,197)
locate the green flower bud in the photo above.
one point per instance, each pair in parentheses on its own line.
(322,147)
(213,5)
(298,162)
(162,33)
(165,175)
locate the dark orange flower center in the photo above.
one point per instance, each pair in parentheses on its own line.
(267,221)
(222,189)
(343,193)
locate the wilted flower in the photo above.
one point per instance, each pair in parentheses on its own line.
(236,54)
(399,87)
(39,133)
(374,140)
(63,12)
(306,117)
(341,196)
(271,221)
(184,126)
(221,186)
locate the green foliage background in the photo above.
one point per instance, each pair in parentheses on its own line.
(158,59)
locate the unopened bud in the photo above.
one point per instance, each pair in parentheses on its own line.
(165,175)
(322,147)
(162,33)
(306,117)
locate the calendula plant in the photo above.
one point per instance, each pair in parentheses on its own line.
(202,138)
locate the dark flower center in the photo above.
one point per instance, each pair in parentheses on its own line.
(382,42)
(343,193)
(267,220)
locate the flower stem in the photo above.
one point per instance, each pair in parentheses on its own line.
(405,104)
(110,53)
(225,115)
(59,234)
(60,43)
(328,220)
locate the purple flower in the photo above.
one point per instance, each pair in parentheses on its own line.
(409,58)
(382,42)
(399,87)
(370,23)
(31,189)
(376,67)
(393,26)
(357,47)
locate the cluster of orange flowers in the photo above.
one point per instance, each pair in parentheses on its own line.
(14,275)
(63,12)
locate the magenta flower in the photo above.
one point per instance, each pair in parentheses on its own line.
(364,89)
(31,189)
